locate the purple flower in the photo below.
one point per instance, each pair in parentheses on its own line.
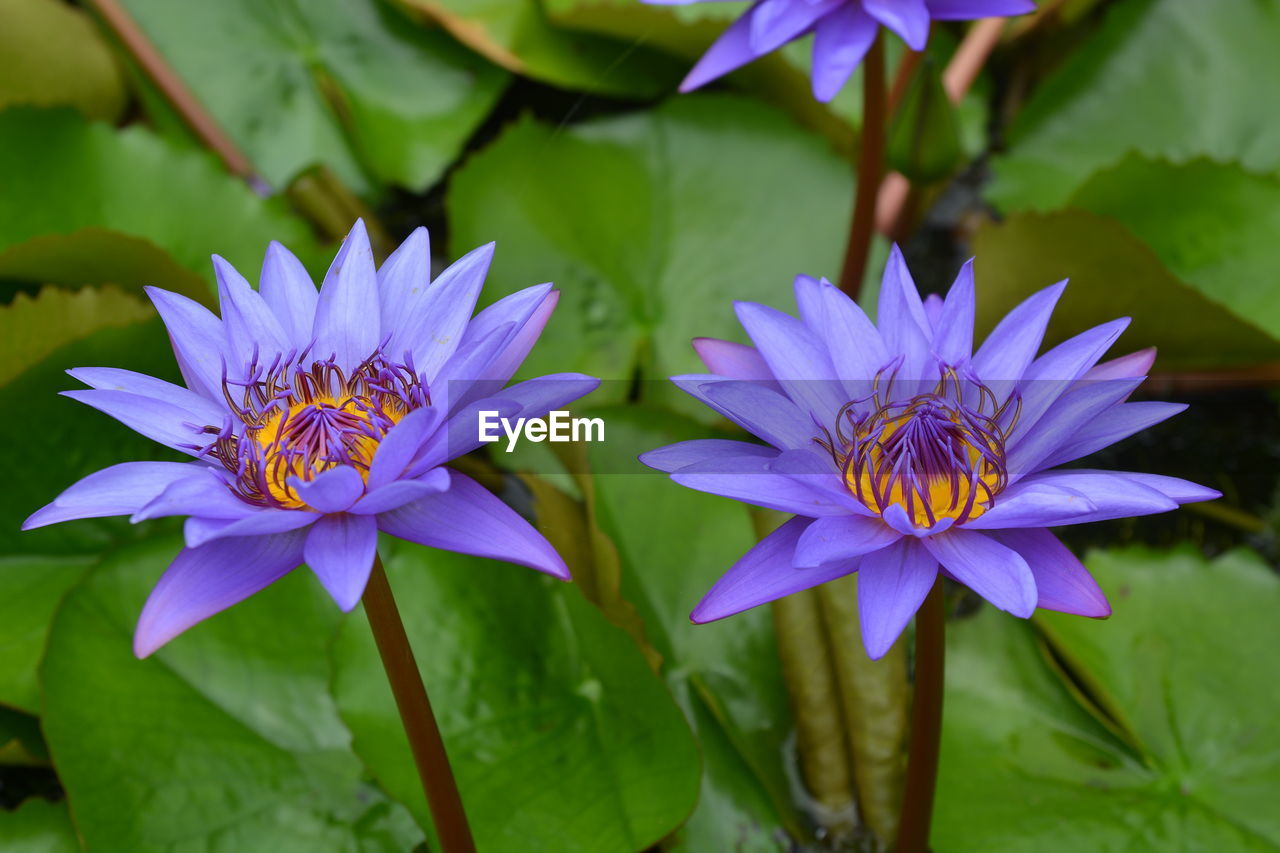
(902,452)
(842,32)
(314,420)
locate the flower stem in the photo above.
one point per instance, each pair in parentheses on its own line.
(870,168)
(926,724)
(415,712)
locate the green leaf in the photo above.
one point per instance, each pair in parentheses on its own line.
(31,588)
(1213,225)
(52,55)
(560,735)
(348,83)
(674,544)
(21,742)
(30,329)
(517,35)
(1181,663)
(1113,274)
(60,174)
(38,826)
(227,739)
(652,225)
(1161,78)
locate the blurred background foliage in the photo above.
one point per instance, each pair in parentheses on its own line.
(1130,145)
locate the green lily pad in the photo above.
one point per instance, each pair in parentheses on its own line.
(349,83)
(227,739)
(1165,78)
(1114,274)
(562,738)
(61,174)
(652,225)
(1181,672)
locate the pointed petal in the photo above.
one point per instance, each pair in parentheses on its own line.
(908,18)
(776,22)
(840,40)
(1182,491)
(289,292)
(733,360)
(434,321)
(347,324)
(766,414)
(892,584)
(749,479)
(796,358)
(253,332)
(340,550)
(673,457)
(197,531)
(968,10)
(1114,494)
(901,317)
(202,409)
(765,574)
(198,339)
(844,537)
(1062,581)
(993,571)
(1115,424)
(1054,373)
(1081,405)
(857,348)
(119,490)
(1126,366)
(203,581)
(170,425)
(953,338)
(1011,346)
(1031,504)
(470,520)
(730,51)
(403,277)
(205,495)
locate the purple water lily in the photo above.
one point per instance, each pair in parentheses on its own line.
(317,419)
(903,452)
(842,32)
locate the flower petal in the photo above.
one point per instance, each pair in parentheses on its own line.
(1114,494)
(840,41)
(776,22)
(842,537)
(997,573)
(1006,353)
(470,520)
(340,550)
(201,409)
(733,360)
(953,339)
(730,51)
(1115,424)
(1182,491)
(673,457)
(206,580)
(817,472)
(901,317)
(1052,374)
(892,584)
(197,530)
(1080,406)
(527,311)
(205,495)
(253,332)
(968,10)
(198,339)
(895,515)
(1126,366)
(434,321)
(765,574)
(749,479)
(763,413)
(1031,504)
(857,349)
(170,425)
(287,289)
(119,490)
(402,276)
(796,358)
(348,325)
(401,492)
(908,18)
(1062,581)
(401,443)
(334,490)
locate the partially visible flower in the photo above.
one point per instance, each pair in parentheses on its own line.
(902,452)
(314,420)
(842,32)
